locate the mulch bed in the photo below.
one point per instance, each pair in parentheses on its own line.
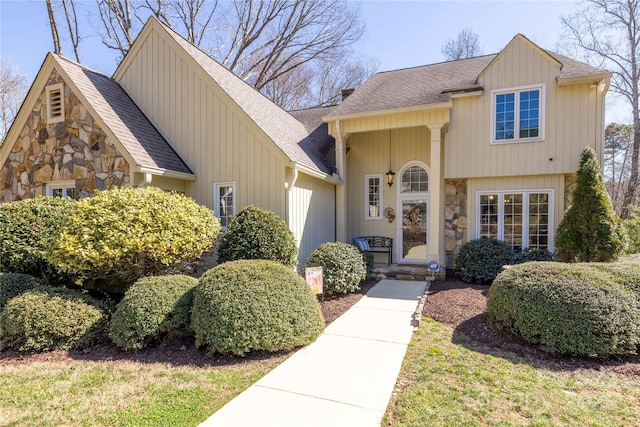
(181,351)
(462,306)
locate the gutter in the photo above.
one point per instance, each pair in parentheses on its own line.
(165,172)
(333,179)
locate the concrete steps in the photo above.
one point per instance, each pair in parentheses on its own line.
(402,272)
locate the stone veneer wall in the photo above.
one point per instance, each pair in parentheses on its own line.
(76,149)
(455,218)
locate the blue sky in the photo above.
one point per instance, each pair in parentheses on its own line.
(399,33)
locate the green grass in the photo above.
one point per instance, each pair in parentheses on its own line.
(120,393)
(460,384)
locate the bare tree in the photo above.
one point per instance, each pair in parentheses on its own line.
(117,24)
(54,27)
(465,45)
(13,86)
(334,76)
(606,33)
(72,25)
(618,140)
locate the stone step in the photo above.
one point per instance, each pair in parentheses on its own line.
(403,272)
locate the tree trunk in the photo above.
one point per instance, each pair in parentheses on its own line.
(54,28)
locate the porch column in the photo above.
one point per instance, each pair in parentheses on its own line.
(435,196)
(341,190)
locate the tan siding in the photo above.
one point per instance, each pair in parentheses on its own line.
(169,184)
(208,130)
(537,182)
(312,214)
(573,120)
(395,121)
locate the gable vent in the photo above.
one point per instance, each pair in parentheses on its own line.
(55,103)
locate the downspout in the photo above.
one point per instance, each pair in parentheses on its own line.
(146,182)
(289,189)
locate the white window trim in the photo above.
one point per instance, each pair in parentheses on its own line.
(53,185)
(518,89)
(216,198)
(53,88)
(366,196)
(525,208)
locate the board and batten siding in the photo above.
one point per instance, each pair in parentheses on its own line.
(573,119)
(218,141)
(312,215)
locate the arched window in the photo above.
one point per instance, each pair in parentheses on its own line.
(414,180)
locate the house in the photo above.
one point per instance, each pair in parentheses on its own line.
(485,146)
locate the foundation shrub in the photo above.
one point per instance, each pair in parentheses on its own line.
(47,318)
(256,233)
(27,229)
(13,284)
(121,235)
(343,267)
(481,260)
(151,308)
(251,305)
(532,254)
(567,309)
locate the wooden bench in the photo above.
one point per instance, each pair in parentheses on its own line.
(378,244)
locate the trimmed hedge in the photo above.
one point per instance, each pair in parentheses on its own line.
(626,272)
(47,318)
(569,309)
(13,284)
(481,260)
(532,254)
(343,267)
(256,233)
(27,229)
(121,235)
(247,305)
(150,308)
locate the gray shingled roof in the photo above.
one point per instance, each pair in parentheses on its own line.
(318,131)
(123,117)
(427,84)
(284,130)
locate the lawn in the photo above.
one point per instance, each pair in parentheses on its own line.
(449,380)
(120,392)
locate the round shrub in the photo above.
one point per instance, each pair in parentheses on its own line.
(532,254)
(248,305)
(151,307)
(481,260)
(256,233)
(27,229)
(624,272)
(13,284)
(121,235)
(569,309)
(343,267)
(47,318)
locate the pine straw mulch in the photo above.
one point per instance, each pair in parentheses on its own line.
(462,306)
(181,351)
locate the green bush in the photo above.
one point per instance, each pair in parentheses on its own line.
(27,228)
(632,227)
(150,308)
(256,233)
(481,260)
(47,318)
(247,305)
(625,272)
(532,254)
(13,284)
(569,309)
(590,229)
(343,267)
(121,235)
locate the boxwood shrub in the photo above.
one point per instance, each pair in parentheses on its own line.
(246,305)
(121,235)
(481,260)
(27,229)
(626,272)
(256,233)
(13,284)
(532,254)
(573,310)
(152,307)
(343,267)
(47,318)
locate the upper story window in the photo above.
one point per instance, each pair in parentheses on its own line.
(55,103)
(518,114)
(225,202)
(373,197)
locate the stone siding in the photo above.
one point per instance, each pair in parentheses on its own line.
(76,149)
(455,218)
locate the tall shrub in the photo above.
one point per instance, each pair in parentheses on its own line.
(590,229)
(120,235)
(256,233)
(632,226)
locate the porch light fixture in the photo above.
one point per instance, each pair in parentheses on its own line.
(390,174)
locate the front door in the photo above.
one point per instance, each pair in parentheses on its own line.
(413,200)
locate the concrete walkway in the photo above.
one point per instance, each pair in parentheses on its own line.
(345,378)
